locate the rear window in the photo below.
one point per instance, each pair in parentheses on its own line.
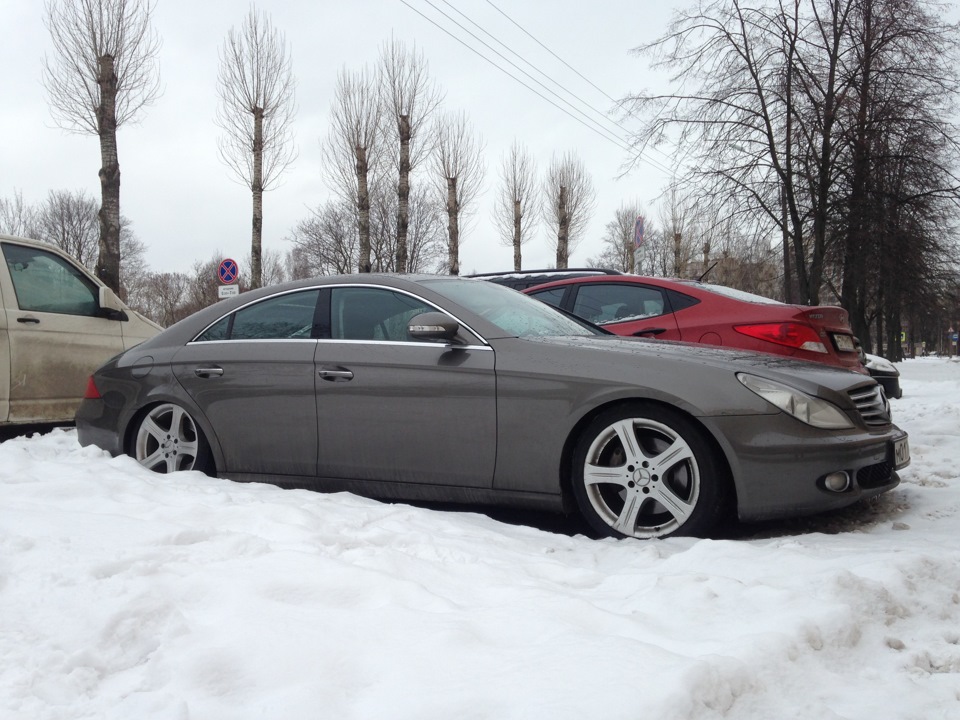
(738,294)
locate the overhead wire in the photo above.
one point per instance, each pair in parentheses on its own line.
(586,121)
(574,70)
(604,116)
(610,136)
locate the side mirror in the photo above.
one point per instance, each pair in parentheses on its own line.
(433,326)
(110,305)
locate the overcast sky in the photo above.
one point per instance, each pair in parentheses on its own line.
(182,200)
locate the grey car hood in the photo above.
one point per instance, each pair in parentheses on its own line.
(807,376)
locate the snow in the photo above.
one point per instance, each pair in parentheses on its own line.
(125,594)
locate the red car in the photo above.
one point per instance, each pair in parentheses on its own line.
(702,313)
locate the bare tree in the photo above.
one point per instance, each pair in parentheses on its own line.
(353,149)
(410,98)
(69,221)
(619,240)
(102,74)
(460,170)
(326,241)
(163,298)
(426,250)
(257,106)
(17,217)
(675,212)
(513,213)
(568,202)
(135,271)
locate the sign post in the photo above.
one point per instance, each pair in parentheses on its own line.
(229,275)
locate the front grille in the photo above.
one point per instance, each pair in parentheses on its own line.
(873,476)
(871,404)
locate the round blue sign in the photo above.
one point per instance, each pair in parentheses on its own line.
(228,272)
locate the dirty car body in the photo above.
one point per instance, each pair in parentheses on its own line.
(58,323)
(432,388)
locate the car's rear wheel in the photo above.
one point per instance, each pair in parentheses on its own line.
(168,440)
(646,471)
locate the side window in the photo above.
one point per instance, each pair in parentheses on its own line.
(604,303)
(46,282)
(553,296)
(359,313)
(282,317)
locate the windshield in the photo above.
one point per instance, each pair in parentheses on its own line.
(513,312)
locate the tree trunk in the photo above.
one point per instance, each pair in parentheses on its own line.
(108,261)
(517,235)
(853,288)
(677,270)
(256,186)
(403,194)
(453,226)
(787,276)
(363,208)
(563,231)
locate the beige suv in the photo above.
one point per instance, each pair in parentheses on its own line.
(58,324)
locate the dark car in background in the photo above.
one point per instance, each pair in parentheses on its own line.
(696,312)
(883,371)
(437,388)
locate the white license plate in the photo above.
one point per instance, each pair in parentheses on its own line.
(844,343)
(901,453)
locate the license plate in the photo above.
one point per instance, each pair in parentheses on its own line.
(901,453)
(844,343)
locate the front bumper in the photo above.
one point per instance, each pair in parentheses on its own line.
(779,465)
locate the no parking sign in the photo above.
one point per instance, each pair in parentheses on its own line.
(229,274)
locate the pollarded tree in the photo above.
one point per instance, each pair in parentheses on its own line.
(410,98)
(257,106)
(513,213)
(460,170)
(102,74)
(568,202)
(353,149)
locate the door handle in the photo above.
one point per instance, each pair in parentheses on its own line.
(28,319)
(335,374)
(649,331)
(208,372)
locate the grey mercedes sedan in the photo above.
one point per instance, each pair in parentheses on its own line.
(430,388)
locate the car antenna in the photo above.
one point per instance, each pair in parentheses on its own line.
(707,271)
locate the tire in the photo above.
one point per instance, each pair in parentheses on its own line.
(646,471)
(168,440)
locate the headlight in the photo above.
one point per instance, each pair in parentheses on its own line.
(806,408)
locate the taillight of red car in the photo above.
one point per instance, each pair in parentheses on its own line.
(789,334)
(92,392)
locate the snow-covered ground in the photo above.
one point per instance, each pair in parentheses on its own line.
(125,594)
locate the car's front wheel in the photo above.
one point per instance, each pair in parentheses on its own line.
(168,440)
(646,471)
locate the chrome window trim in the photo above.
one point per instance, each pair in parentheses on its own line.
(337,286)
(407,343)
(253,340)
(338,341)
